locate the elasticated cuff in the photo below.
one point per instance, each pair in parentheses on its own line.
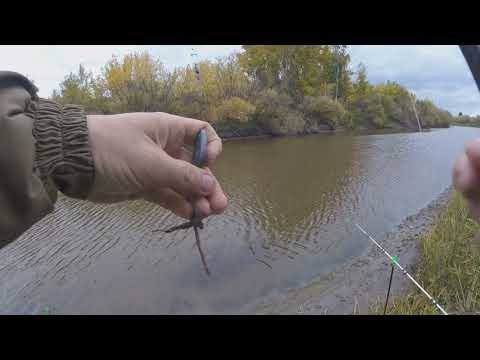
(63,154)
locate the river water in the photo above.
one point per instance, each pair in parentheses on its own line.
(293,205)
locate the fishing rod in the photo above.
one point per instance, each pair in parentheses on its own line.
(471,53)
(196,66)
(394,261)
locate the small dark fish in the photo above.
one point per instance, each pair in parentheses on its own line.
(199,159)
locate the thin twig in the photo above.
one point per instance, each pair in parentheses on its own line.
(197,240)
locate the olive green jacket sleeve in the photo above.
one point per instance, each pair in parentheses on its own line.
(44,148)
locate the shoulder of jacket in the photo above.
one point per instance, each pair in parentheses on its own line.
(11,78)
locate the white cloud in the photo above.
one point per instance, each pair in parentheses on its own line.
(437,72)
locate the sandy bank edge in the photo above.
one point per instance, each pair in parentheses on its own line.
(363,280)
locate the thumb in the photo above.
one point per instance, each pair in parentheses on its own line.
(187,179)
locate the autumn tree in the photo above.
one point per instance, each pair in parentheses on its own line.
(134,83)
(281,89)
(361,86)
(76,88)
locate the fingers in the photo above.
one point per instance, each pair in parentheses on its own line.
(184,154)
(177,204)
(172,201)
(214,203)
(191,127)
(202,207)
(472,150)
(186,179)
(218,200)
(466,172)
(176,171)
(168,198)
(463,174)
(466,176)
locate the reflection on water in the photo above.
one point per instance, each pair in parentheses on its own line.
(293,203)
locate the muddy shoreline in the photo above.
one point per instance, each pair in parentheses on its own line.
(360,283)
(228,136)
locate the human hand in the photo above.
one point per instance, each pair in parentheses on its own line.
(143,156)
(466,176)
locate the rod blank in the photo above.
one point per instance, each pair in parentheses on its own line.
(404,271)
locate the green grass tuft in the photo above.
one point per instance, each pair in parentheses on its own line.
(449,267)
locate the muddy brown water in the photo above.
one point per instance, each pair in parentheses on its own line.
(293,205)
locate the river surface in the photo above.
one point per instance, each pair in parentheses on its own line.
(293,205)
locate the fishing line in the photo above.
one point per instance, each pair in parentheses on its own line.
(394,261)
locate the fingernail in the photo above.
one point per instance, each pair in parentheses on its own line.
(207,183)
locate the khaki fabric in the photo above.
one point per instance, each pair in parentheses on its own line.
(44,148)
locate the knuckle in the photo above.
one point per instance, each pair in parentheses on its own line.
(185,210)
(189,175)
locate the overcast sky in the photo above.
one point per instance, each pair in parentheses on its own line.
(438,73)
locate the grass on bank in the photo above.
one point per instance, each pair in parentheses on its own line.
(449,267)
(466,124)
